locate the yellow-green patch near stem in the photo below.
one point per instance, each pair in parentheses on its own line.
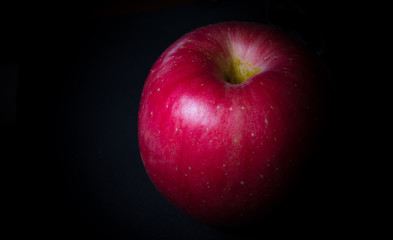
(239,71)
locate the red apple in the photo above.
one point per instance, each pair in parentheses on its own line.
(227,115)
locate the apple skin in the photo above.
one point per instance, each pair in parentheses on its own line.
(224,150)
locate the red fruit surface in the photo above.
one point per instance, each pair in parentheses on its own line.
(226,117)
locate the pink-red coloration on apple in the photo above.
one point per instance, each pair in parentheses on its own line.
(226,116)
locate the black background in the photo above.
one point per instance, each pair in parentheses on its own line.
(71,79)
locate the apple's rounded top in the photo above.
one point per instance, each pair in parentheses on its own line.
(235,52)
